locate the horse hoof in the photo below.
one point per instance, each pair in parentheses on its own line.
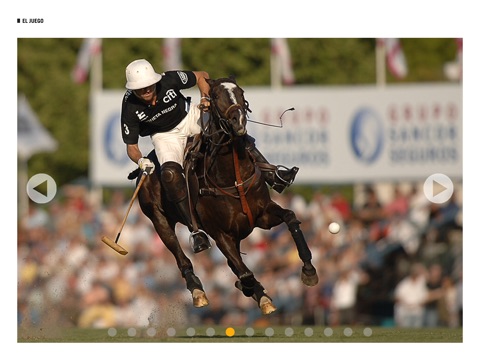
(266,306)
(310,280)
(199,298)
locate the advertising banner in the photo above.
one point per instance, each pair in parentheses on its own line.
(348,134)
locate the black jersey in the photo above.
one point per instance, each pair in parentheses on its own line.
(140,119)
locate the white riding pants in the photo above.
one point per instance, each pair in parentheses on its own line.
(170,145)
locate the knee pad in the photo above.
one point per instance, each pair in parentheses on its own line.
(173,181)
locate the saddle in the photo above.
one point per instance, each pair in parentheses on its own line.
(194,151)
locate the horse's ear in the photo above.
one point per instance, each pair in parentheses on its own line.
(210,81)
(232,77)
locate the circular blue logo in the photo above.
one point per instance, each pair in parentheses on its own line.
(366,136)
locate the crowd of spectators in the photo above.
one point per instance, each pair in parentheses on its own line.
(396,262)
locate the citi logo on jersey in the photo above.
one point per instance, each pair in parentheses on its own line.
(141,116)
(170,95)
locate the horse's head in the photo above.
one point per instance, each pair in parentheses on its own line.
(228,106)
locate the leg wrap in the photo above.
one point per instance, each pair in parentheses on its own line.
(302,247)
(192,281)
(248,282)
(259,291)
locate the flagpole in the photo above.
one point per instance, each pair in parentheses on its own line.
(380,56)
(96,74)
(96,86)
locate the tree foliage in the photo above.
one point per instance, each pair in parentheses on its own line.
(45,66)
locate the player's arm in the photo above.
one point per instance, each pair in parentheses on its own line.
(203,87)
(134,153)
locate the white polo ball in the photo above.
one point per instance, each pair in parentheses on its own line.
(334,228)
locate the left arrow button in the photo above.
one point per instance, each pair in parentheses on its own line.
(36,188)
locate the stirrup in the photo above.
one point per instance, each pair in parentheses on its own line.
(199,241)
(292,172)
(280,183)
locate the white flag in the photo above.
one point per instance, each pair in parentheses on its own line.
(453,69)
(172,54)
(32,137)
(90,47)
(396,61)
(281,52)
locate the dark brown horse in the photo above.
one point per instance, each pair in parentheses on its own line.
(229,194)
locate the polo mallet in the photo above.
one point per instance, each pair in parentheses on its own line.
(114,244)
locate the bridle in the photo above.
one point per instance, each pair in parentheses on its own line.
(224,122)
(225,130)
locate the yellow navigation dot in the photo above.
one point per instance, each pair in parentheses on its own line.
(229,331)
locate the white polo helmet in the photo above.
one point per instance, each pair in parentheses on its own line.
(140,74)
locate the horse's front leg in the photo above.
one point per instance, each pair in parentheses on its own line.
(247,283)
(257,292)
(309,274)
(273,215)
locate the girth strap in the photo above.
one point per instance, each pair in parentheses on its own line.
(240,186)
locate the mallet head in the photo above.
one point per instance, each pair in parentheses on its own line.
(114,245)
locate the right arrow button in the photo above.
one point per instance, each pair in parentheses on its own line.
(438,188)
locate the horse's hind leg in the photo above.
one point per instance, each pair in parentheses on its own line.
(193,283)
(196,288)
(166,231)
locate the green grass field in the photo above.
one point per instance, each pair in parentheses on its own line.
(280,334)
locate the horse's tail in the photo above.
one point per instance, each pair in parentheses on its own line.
(134,174)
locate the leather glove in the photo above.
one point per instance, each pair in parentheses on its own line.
(146,165)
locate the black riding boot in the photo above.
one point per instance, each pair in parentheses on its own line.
(277,176)
(175,186)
